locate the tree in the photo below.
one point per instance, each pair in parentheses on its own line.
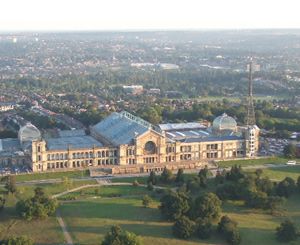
(233,236)
(67,183)
(174,205)
(228,228)
(193,184)
(298,183)
(207,207)
(183,227)
(228,191)
(179,177)
(166,176)
(10,183)
(257,199)
(113,236)
(258,172)
(286,187)
(225,220)
(265,185)
(220,177)
(290,151)
(287,231)
(146,201)
(150,186)
(151,115)
(204,172)
(2,202)
(39,206)
(235,173)
(274,203)
(22,240)
(116,236)
(152,178)
(135,183)
(204,228)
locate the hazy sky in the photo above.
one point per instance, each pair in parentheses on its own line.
(147,14)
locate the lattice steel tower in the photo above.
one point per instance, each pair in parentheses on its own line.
(250,107)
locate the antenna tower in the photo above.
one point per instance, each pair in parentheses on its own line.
(250,107)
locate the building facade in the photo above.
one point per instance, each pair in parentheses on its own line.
(125,143)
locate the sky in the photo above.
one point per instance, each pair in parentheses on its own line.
(59,15)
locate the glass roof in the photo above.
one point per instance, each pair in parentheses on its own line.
(224,122)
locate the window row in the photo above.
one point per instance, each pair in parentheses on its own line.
(212,147)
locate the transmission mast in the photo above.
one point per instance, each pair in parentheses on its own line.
(250,107)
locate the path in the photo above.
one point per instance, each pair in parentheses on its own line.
(62,224)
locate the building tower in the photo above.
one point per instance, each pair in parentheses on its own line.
(250,107)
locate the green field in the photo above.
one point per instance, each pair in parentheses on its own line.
(278,174)
(41,231)
(54,175)
(88,221)
(251,162)
(89,213)
(107,191)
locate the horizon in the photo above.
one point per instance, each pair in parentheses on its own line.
(79,15)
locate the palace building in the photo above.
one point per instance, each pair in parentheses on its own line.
(124,143)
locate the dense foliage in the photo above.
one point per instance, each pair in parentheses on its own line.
(21,240)
(37,207)
(117,236)
(287,231)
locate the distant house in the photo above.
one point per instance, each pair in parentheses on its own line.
(133,89)
(7,106)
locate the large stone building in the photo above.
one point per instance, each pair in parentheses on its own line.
(124,143)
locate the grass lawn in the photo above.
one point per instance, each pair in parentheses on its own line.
(42,232)
(107,191)
(88,222)
(54,175)
(256,226)
(88,219)
(278,174)
(248,162)
(26,191)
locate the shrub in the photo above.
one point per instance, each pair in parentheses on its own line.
(150,186)
(116,236)
(287,231)
(166,176)
(286,187)
(146,201)
(204,228)
(135,183)
(2,203)
(228,228)
(207,206)
(183,227)
(39,206)
(22,240)
(174,205)
(179,177)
